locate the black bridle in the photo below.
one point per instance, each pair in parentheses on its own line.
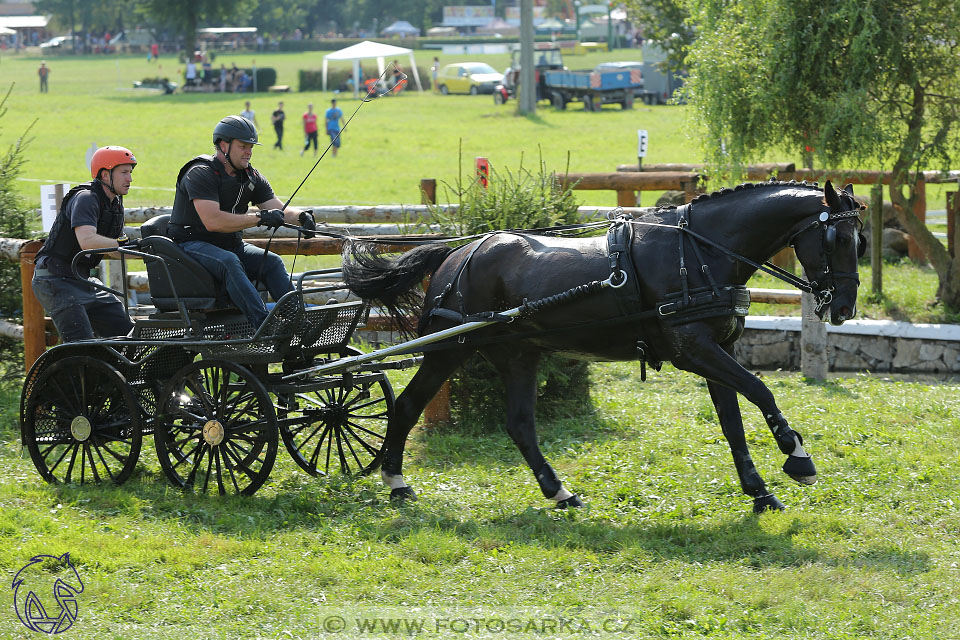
(826,225)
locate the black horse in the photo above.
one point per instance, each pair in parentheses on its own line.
(722,237)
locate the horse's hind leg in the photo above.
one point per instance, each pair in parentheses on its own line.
(703,356)
(433,372)
(731,422)
(518,369)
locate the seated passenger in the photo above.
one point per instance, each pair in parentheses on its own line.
(210,211)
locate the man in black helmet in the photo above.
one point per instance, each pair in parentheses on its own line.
(210,212)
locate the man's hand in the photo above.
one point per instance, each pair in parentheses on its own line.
(307,221)
(271,218)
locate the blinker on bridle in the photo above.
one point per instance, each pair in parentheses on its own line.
(826,223)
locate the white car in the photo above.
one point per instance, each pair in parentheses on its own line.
(56,42)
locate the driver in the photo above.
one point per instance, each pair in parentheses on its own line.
(90,217)
(210,211)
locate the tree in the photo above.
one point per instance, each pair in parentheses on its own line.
(665,22)
(184,16)
(873,83)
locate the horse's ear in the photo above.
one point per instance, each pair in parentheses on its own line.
(849,188)
(830,196)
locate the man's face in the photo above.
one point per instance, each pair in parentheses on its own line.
(122,178)
(240,153)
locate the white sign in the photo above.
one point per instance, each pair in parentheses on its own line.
(467,16)
(50,197)
(641,143)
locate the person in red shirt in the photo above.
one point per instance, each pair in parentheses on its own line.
(310,129)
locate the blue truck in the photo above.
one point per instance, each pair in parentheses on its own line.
(561,86)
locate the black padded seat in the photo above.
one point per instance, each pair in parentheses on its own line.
(193,283)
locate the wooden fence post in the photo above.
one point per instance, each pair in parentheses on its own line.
(813,341)
(876,239)
(438,409)
(34,328)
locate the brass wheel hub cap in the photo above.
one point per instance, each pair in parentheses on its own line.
(81,428)
(213,433)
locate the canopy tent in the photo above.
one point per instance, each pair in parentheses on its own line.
(6,32)
(368,49)
(400,28)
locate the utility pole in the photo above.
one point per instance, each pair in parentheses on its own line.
(527,103)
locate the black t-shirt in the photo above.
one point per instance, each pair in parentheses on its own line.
(208,180)
(278,117)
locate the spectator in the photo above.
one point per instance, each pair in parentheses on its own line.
(44,73)
(434,70)
(278,117)
(334,118)
(191,73)
(309,129)
(223,78)
(248,113)
(155,50)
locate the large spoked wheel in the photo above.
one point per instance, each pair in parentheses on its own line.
(341,428)
(217,432)
(82,423)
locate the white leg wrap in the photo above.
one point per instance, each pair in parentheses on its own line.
(392,482)
(563,494)
(798,450)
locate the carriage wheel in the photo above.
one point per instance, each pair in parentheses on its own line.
(218,431)
(341,428)
(82,423)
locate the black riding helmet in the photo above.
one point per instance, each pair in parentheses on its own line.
(235,128)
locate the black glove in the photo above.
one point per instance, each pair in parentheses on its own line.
(307,221)
(271,219)
(126,243)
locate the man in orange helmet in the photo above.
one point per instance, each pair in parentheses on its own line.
(90,217)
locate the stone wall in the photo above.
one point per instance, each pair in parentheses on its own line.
(864,345)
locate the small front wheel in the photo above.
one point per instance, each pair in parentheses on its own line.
(444,90)
(497,98)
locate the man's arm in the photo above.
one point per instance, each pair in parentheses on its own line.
(89,239)
(218,221)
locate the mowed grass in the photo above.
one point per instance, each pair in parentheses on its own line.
(667,547)
(389,147)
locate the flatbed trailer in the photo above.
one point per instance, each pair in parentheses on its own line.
(593,88)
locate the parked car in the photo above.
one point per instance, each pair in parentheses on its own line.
(468,77)
(57,42)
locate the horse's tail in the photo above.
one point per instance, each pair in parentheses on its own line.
(392,283)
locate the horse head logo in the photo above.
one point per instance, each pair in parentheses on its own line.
(39,572)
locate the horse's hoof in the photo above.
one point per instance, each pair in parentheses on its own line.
(572,502)
(402,494)
(801,469)
(768,502)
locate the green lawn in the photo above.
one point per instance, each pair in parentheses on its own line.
(387,149)
(667,543)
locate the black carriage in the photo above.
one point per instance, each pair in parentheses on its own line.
(213,392)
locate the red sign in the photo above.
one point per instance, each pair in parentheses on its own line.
(483,171)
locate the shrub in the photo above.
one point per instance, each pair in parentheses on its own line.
(266,78)
(522,200)
(14,223)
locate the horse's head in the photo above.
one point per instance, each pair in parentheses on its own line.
(828,248)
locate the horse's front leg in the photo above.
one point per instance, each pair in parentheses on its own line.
(703,356)
(433,372)
(518,370)
(731,423)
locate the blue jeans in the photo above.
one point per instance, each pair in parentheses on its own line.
(79,311)
(236,269)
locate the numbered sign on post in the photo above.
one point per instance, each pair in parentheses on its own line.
(50,197)
(483,171)
(641,143)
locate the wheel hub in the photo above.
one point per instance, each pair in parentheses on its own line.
(81,428)
(213,433)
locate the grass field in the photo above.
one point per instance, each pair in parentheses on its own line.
(667,547)
(389,147)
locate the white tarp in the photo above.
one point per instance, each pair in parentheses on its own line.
(368,49)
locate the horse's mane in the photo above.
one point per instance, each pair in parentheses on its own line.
(724,191)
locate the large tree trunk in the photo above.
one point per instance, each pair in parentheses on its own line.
(190,36)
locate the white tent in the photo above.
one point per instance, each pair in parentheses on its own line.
(368,49)
(401,28)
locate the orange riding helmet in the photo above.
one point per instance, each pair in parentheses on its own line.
(110,157)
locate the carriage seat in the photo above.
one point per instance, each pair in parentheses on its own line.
(193,283)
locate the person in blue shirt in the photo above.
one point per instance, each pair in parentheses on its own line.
(334,118)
